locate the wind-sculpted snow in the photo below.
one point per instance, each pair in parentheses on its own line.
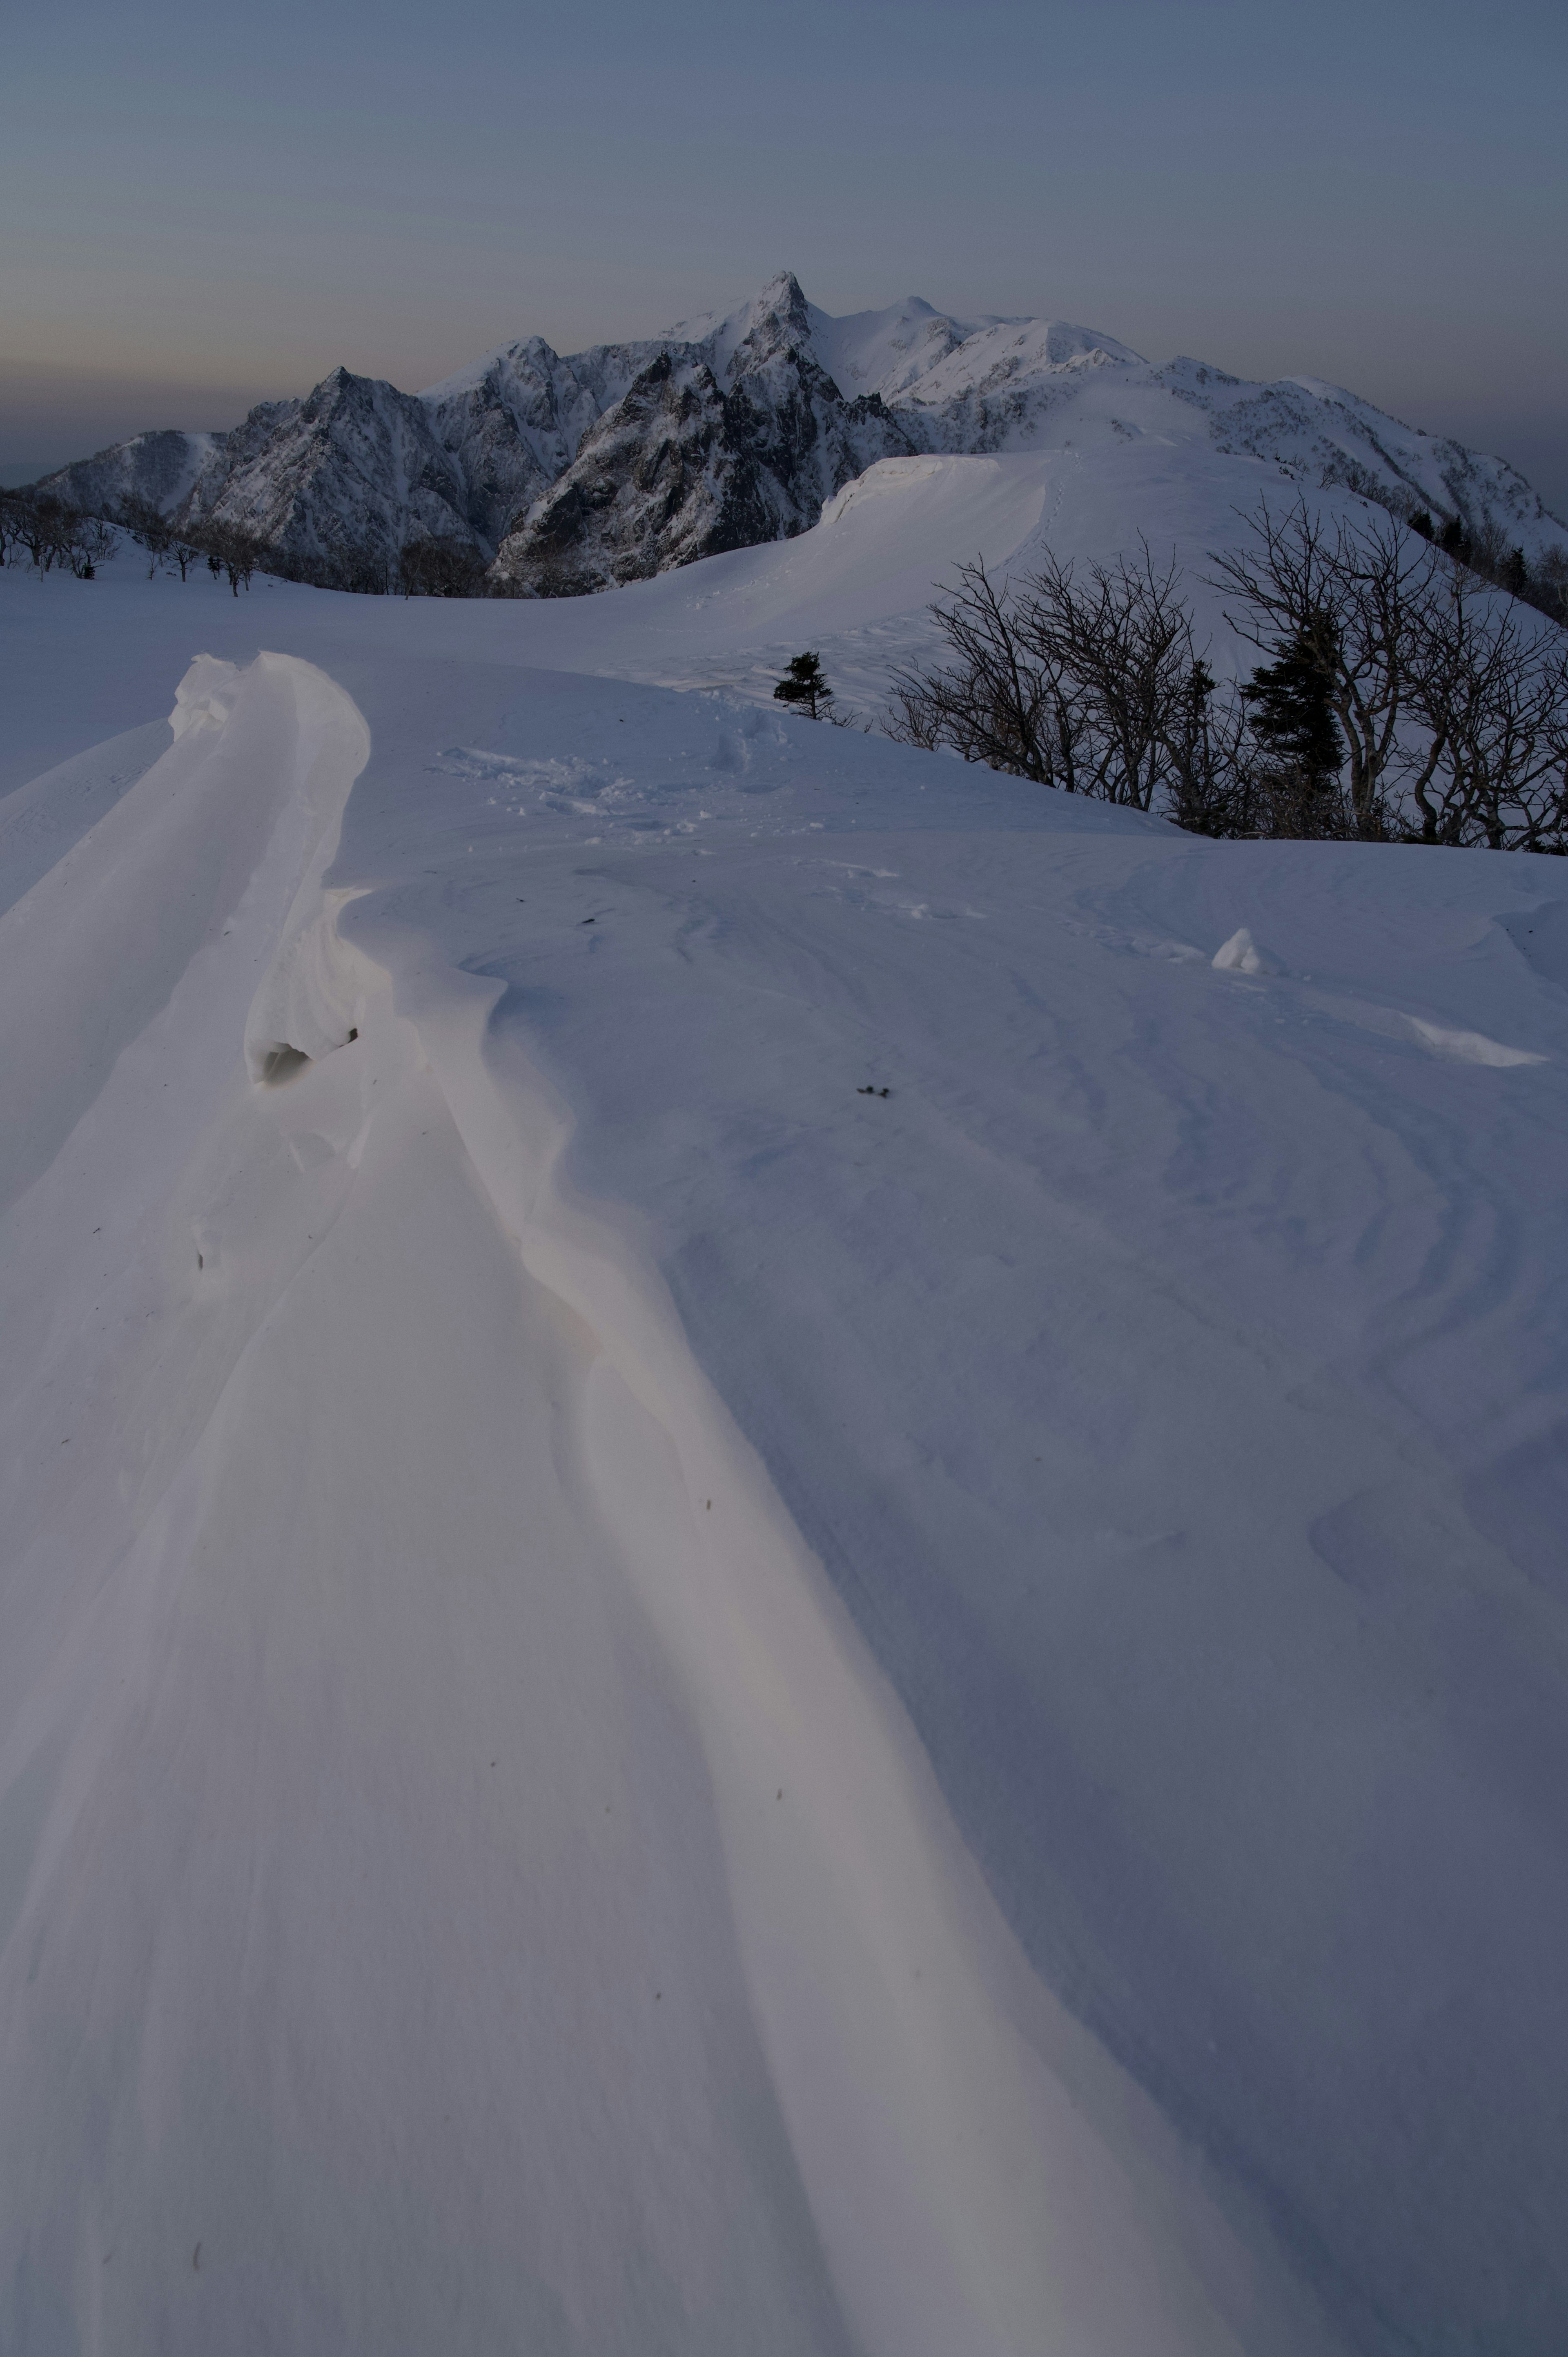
(780,1556)
(571,475)
(470,1899)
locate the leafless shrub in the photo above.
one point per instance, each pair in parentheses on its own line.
(999,700)
(42,526)
(149,527)
(166,543)
(51,535)
(1119,638)
(1400,700)
(1213,788)
(1491,698)
(1090,680)
(89,543)
(229,549)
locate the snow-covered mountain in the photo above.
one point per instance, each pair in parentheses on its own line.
(566,475)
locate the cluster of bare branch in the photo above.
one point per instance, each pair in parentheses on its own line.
(41,529)
(1402,698)
(1087,682)
(229,552)
(1491,698)
(165,544)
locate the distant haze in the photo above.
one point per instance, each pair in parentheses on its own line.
(205,207)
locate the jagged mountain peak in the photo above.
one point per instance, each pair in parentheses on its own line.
(341,384)
(524,351)
(782,296)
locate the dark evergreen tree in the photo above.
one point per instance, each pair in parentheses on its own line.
(1200,685)
(1291,716)
(804,686)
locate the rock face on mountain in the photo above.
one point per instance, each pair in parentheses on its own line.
(339,483)
(563,475)
(682,467)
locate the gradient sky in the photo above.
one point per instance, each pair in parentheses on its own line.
(208,205)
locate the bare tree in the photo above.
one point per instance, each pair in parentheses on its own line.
(11,523)
(148,524)
(1120,636)
(163,540)
(88,543)
(228,550)
(1490,697)
(43,528)
(54,534)
(1213,788)
(914,717)
(1080,679)
(1001,699)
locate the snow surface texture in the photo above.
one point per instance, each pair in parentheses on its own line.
(654,1701)
(629,460)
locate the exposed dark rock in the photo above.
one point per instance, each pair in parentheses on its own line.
(680,469)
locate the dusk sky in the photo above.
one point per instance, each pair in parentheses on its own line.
(209,205)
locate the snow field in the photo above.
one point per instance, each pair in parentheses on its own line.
(1064,1852)
(240,1617)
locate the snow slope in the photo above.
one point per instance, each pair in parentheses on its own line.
(654,1703)
(858,586)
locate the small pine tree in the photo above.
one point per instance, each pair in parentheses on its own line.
(1292,720)
(803,683)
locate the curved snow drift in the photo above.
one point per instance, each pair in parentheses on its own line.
(473,1883)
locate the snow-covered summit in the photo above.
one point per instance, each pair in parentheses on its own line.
(912,353)
(900,353)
